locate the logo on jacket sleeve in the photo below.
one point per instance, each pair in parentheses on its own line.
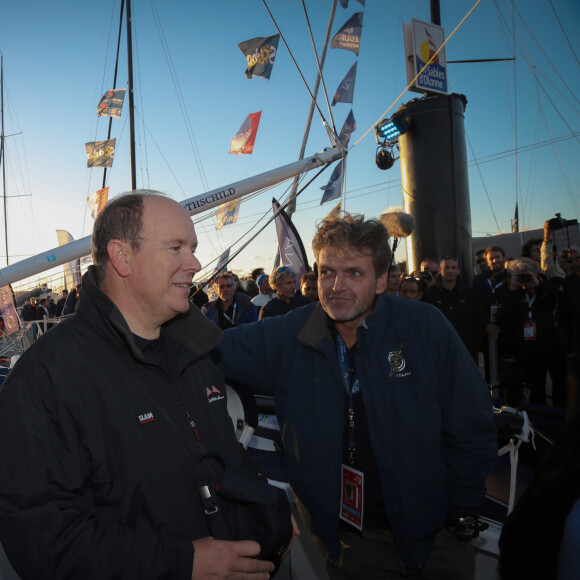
(213,394)
(397,363)
(145,418)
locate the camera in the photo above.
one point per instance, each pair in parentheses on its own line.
(557,223)
(524,278)
(425,275)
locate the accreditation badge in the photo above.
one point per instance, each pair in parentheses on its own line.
(529,330)
(352,497)
(493,312)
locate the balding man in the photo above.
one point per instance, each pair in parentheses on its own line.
(98,470)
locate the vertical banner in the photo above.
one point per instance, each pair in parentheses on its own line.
(290,245)
(8,311)
(348,37)
(100,153)
(72,270)
(333,189)
(111,103)
(260,54)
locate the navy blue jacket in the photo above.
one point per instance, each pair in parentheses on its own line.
(429,412)
(245,310)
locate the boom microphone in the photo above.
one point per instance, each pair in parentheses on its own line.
(398,223)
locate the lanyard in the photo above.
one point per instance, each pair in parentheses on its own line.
(233,318)
(494,288)
(530,302)
(352,388)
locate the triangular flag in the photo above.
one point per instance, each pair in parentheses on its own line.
(97,201)
(345,90)
(347,129)
(333,189)
(290,246)
(348,37)
(111,103)
(344,3)
(227,213)
(260,54)
(243,142)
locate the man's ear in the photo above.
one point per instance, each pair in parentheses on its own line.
(382,283)
(120,257)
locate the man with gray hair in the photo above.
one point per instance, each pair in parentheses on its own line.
(386,423)
(283,281)
(99,453)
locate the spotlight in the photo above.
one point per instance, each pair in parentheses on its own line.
(388,131)
(385,158)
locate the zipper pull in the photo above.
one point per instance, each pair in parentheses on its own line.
(192,425)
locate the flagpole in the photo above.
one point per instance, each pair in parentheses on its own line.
(292,205)
(131,100)
(3,155)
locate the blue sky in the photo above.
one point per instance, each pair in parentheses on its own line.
(58,61)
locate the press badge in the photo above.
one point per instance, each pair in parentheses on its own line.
(493,312)
(530,330)
(352,496)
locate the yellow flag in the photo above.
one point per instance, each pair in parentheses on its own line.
(335,212)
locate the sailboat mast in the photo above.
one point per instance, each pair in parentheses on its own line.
(130,91)
(2,154)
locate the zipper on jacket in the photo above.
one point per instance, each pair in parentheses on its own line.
(190,421)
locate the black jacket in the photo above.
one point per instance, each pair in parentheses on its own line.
(97,454)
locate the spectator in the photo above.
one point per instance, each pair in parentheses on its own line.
(455,300)
(198,296)
(393,281)
(367,383)
(480,262)
(256,273)
(410,288)
(283,281)
(532,249)
(429,271)
(309,286)
(265,294)
(62,301)
(98,452)
(231,308)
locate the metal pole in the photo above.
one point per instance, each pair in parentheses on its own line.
(3,156)
(131,101)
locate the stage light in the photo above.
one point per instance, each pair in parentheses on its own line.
(385,158)
(388,131)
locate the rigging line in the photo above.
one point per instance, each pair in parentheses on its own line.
(319,65)
(545,55)
(529,61)
(516,109)
(564,32)
(296,64)
(417,75)
(181,101)
(556,88)
(483,183)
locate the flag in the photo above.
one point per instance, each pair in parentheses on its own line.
(348,37)
(100,153)
(260,53)
(333,189)
(347,129)
(344,3)
(334,212)
(8,311)
(222,263)
(111,103)
(243,141)
(72,270)
(345,90)
(515,224)
(227,213)
(97,201)
(292,253)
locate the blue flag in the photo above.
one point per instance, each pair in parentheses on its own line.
(347,129)
(333,189)
(345,90)
(260,54)
(344,3)
(348,37)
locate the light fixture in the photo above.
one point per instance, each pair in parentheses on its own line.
(385,157)
(388,131)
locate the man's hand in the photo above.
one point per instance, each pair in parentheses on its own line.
(218,559)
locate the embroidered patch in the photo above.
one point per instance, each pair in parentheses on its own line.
(397,362)
(145,418)
(213,394)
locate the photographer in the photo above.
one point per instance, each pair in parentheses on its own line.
(532,302)
(554,269)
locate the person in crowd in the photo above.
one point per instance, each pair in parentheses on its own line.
(266,293)
(385,388)
(71,301)
(531,304)
(97,451)
(61,302)
(256,273)
(51,307)
(230,308)
(237,285)
(453,297)
(428,271)
(251,287)
(541,537)
(480,262)
(283,281)
(411,288)
(309,286)
(393,280)
(489,291)
(532,249)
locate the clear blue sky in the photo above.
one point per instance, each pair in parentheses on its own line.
(58,61)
